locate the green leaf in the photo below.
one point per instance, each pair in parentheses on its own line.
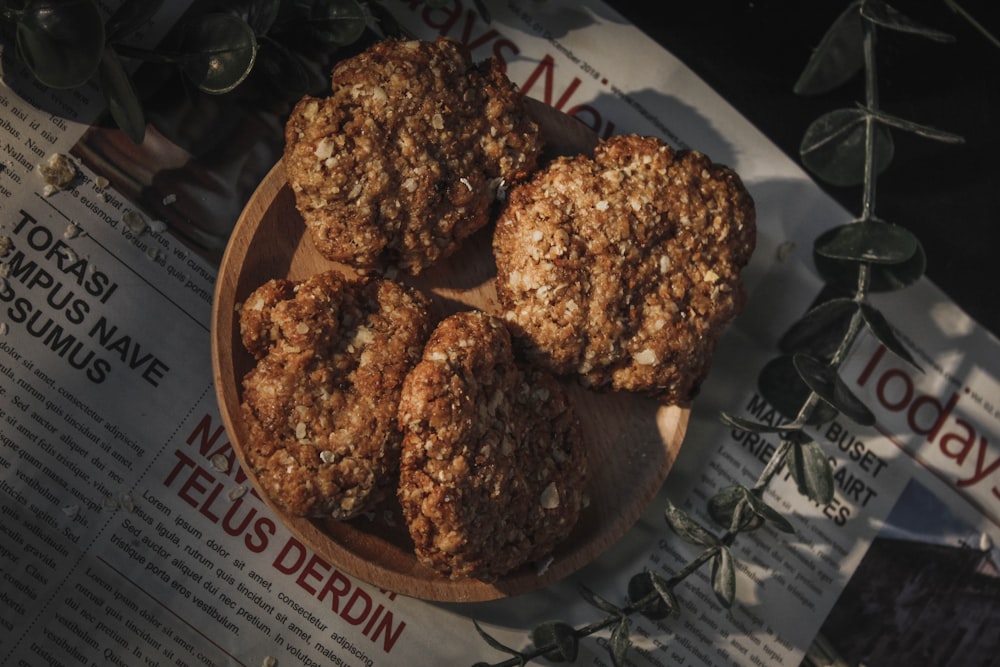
(823,379)
(798,437)
(773,516)
(884,277)
(882,330)
(724,506)
(261,15)
(812,471)
(882,14)
(642,586)
(752,426)
(129,17)
(123,101)
(781,386)
(336,22)
(666,592)
(834,147)
(839,56)
(724,577)
(753,510)
(558,634)
(887,278)
(620,642)
(687,528)
(495,644)
(599,602)
(221,50)
(384,22)
(820,330)
(924,131)
(869,241)
(61,41)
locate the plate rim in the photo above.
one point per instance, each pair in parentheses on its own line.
(419,582)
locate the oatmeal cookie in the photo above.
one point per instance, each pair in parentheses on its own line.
(493,465)
(623,269)
(402,162)
(320,405)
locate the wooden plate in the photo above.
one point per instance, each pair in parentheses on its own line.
(633,441)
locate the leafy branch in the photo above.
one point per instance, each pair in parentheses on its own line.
(68,43)
(844,147)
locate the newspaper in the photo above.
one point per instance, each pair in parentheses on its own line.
(130,536)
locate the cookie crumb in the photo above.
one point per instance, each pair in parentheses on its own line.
(57,172)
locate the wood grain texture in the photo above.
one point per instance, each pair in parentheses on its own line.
(632,441)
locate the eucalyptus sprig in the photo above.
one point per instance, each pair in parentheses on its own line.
(866,255)
(68,43)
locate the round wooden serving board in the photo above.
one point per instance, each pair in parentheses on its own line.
(633,441)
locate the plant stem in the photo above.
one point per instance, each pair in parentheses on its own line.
(147,55)
(871,102)
(855,327)
(778,458)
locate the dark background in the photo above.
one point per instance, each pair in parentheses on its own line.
(752,52)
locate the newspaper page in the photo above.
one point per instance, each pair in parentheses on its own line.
(130,535)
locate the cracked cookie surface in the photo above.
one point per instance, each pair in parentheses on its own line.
(402,161)
(622,270)
(493,465)
(320,405)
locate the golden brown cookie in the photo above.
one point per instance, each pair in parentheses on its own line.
(623,269)
(320,405)
(493,466)
(403,161)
